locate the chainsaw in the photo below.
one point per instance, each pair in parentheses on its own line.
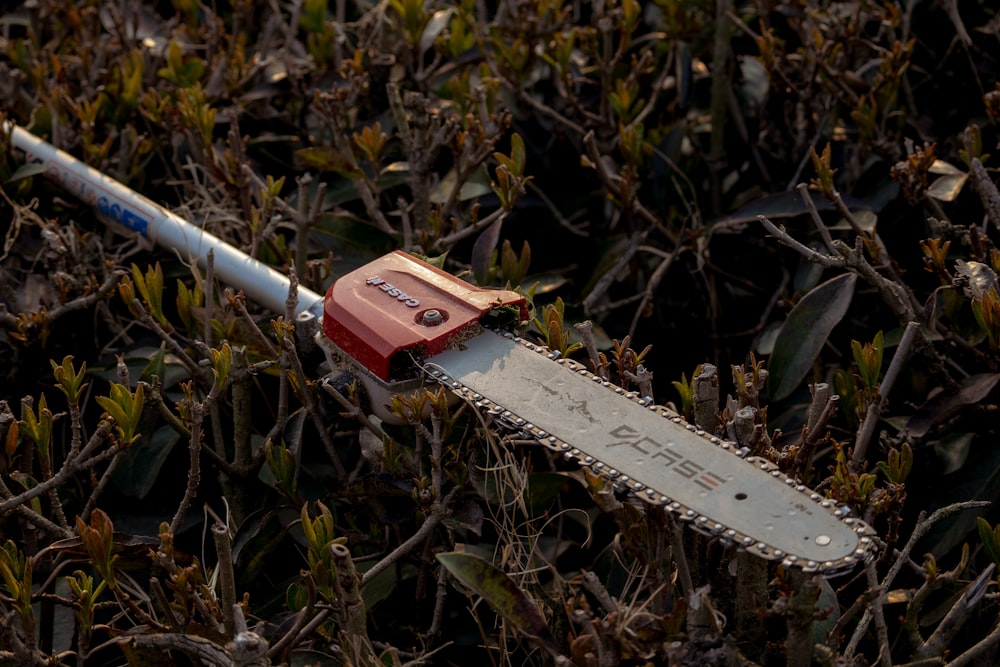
(399,325)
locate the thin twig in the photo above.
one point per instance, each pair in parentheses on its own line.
(102,484)
(239,302)
(875,410)
(680,558)
(194,470)
(800,619)
(441,596)
(824,231)
(924,524)
(881,631)
(90,299)
(352,411)
(190,364)
(309,399)
(227,578)
(977,652)
(465,232)
(939,641)
(71,466)
(611,275)
(438,511)
(654,282)
(35,518)
(987,191)
(586,330)
(305,614)
(809,253)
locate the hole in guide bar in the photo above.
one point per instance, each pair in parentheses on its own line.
(740,496)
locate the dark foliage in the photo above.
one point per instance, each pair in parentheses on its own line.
(802,194)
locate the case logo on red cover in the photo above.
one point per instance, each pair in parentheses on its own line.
(394,292)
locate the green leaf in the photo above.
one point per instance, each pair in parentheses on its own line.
(328,158)
(477,185)
(517,154)
(949,183)
(805,331)
(157,366)
(780,206)
(979,479)
(125,408)
(435,26)
(991,538)
(948,404)
(482,251)
(140,465)
(345,192)
(113,409)
(437,261)
(26,170)
(387,582)
(312,15)
(354,243)
(827,611)
(947,188)
(502,594)
(952,451)
(544,488)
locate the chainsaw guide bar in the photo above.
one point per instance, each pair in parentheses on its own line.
(644,448)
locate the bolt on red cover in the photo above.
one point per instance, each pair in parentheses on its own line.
(398,303)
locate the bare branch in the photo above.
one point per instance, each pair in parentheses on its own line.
(875,410)
(812,255)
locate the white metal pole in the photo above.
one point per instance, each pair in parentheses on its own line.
(258,281)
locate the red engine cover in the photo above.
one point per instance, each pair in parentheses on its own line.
(398,303)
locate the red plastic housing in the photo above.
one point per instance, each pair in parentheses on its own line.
(388,306)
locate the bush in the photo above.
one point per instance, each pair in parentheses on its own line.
(808,184)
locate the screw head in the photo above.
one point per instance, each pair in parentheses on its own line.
(431,317)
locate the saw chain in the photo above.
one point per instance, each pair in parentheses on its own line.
(653,454)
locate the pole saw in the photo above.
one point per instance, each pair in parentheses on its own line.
(399,324)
